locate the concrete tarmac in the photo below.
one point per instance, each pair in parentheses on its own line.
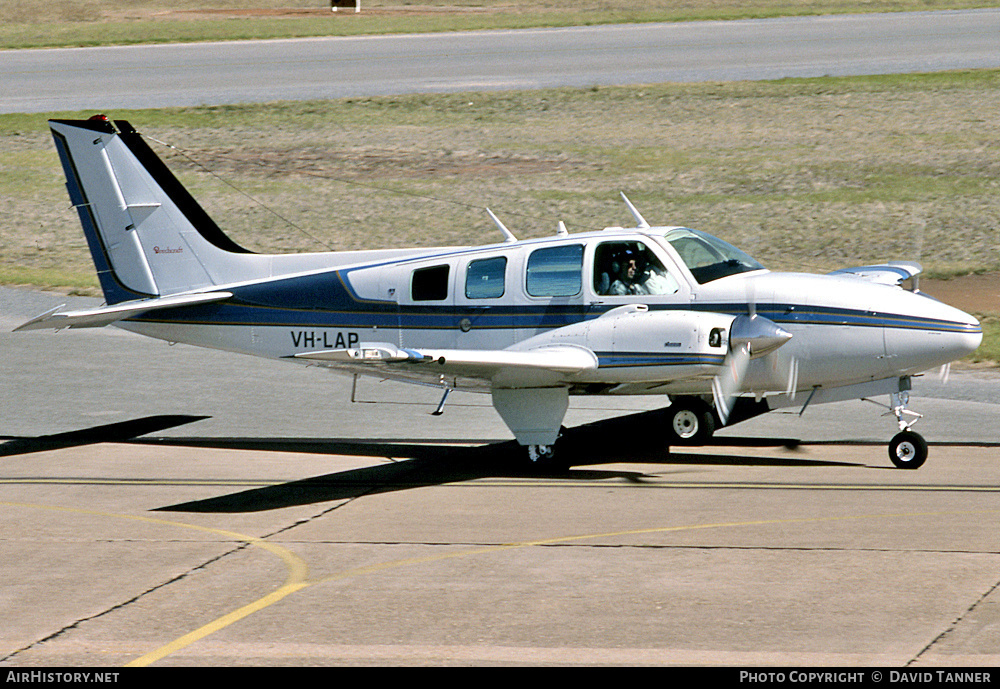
(174,506)
(118,554)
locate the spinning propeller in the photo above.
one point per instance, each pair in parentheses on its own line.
(750,337)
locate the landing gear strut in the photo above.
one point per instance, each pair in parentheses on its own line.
(907,450)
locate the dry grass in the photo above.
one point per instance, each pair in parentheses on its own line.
(872,169)
(46,11)
(36,23)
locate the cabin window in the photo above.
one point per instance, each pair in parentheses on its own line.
(484,278)
(430,284)
(623,268)
(555,271)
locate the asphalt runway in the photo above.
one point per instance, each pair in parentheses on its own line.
(322,68)
(174,506)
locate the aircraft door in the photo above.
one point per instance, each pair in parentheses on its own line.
(553,289)
(393,284)
(484,302)
(425,297)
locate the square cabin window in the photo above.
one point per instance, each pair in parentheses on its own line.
(484,278)
(555,271)
(430,284)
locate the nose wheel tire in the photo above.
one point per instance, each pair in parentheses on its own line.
(908,450)
(691,422)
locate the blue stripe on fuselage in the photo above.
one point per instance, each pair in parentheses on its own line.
(325,300)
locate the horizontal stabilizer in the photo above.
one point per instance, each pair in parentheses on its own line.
(106,315)
(891,273)
(541,366)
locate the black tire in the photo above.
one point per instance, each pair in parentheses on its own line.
(548,459)
(690,422)
(908,450)
(544,459)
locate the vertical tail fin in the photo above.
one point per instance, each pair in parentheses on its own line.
(146,234)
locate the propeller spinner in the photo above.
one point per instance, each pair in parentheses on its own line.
(750,337)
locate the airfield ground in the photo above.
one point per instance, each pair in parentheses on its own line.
(122,554)
(223,541)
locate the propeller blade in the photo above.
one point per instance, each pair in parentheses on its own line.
(945,373)
(726,385)
(750,337)
(793,378)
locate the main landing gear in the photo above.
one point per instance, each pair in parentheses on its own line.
(545,459)
(548,458)
(690,421)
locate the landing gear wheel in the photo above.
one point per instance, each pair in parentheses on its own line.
(690,421)
(908,450)
(544,459)
(548,458)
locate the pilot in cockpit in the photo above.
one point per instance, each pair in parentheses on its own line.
(635,271)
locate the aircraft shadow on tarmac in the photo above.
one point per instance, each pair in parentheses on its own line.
(602,442)
(632,438)
(110,433)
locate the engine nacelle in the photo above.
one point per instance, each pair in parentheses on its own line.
(634,343)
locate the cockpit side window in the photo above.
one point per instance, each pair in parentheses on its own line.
(555,271)
(622,268)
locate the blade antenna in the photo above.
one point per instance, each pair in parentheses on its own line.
(639,220)
(508,235)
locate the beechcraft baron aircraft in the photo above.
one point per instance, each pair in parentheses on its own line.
(665,311)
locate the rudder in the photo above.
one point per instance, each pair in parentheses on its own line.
(147,236)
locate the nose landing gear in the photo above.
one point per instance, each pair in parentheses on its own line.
(907,450)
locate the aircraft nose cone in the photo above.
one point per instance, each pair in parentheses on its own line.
(760,334)
(930,335)
(970,336)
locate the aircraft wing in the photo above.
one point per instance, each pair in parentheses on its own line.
(105,315)
(891,273)
(543,366)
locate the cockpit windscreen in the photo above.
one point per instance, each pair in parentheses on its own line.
(707,257)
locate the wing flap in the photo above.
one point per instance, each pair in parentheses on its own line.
(538,367)
(106,315)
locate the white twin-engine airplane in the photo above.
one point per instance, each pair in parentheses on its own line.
(666,311)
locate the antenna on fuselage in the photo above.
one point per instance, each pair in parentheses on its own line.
(508,235)
(639,220)
(562,231)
